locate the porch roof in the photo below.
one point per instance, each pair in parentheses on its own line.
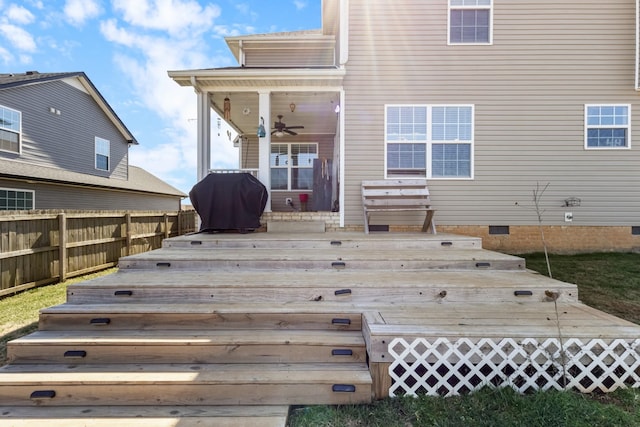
(243,78)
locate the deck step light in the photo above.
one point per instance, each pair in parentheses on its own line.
(75,354)
(343,292)
(100,321)
(338,321)
(123,293)
(43,394)
(523,293)
(338,264)
(343,388)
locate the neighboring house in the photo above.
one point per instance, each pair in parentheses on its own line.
(486,99)
(63,147)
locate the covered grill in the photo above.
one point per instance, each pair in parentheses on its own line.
(233,201)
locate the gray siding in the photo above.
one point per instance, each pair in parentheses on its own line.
(50,196)
(529,88)
(64,141)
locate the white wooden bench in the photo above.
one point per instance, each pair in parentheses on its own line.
(395,195)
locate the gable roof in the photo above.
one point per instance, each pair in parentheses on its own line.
(139,179)
(10,80)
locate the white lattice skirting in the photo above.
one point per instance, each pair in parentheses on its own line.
(444,368)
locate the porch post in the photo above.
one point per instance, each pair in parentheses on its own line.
(264,147)
(204,134)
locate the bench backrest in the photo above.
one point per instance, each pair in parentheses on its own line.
(394,194)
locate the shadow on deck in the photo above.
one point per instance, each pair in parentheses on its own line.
(212,325)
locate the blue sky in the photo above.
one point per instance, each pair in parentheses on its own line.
(126,48)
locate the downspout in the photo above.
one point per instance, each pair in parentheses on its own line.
(637,47)
(344,32)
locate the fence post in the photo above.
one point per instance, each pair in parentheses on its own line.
(166,226)
(62,246)
(127,217)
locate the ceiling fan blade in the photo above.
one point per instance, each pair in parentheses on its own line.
(290,132)
(295,127)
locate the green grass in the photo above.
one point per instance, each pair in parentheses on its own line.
(607,281)
(487,407)
(19,313)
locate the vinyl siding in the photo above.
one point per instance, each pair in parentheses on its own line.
(65,141)
(50,196)
(548,59)
(289,58)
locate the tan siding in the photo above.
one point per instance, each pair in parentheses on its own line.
(288,58)
(529,89)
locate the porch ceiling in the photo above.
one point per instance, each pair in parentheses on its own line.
(315,93)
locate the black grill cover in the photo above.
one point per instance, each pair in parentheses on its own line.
(229,201)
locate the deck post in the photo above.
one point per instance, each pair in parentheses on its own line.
(264,147)
(381,379)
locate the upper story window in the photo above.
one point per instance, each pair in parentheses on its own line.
(103,154)
(429,141)
(10,129)
(470,21)
(16,200)
(292,166)
(607,126)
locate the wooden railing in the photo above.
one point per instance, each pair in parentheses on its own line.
(42,247)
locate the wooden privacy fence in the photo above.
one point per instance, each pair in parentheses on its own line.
(42,247)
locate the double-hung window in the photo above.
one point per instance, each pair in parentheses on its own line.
(429,141)
(607,126)
(10,129)
(470,21)
(292,166)
(103,154)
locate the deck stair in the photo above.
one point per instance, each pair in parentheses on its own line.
(226,329)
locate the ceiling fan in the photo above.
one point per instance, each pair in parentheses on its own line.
(281,128)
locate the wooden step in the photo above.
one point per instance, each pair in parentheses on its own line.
(334,240)
(89,317)
(177,384)
(166,259)
(230,346)
(384,287)
(145,416)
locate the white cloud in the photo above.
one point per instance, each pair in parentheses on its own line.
(77,12)
(5,55)
(18,38)
(19,15)
(300,4)
(177,17)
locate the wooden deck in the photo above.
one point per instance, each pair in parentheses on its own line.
(220,325)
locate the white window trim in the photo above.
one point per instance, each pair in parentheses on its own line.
(290,167)
(489,7)
(429,142)
(33,195)
(587,127)
(95,154)
(10,130)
